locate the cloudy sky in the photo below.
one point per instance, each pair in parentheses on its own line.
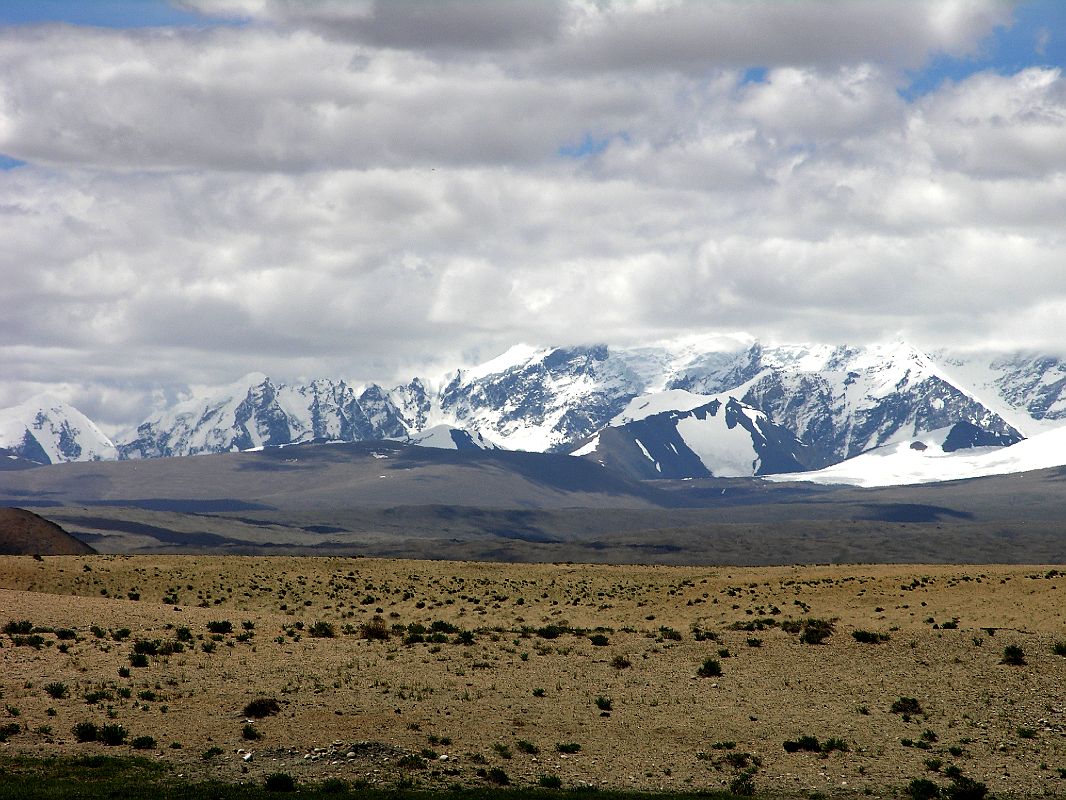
(197,189)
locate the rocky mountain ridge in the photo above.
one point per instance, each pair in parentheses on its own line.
(821,404)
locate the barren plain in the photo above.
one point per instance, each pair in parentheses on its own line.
(439,673)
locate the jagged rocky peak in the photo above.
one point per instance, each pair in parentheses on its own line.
(540,398)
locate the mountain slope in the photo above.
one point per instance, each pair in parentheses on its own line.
(49,431)
(701,436)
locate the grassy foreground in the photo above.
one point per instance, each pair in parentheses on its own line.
(132,778)
(832,681)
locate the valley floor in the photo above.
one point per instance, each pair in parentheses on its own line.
(447,672)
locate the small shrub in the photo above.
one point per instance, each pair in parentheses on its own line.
(262,707)
(220,626)
(497,776)
(144,743)
(816,631)
(113,734)
(56,690)
(527,747)
(604,703)
(280,782)
(18,627)
(464,638)
(966,788)
(621,662)
(334,786)
(250,733)
(138,660)
(743,785)
(599,640)
(66,635)
(322,630)
(1026,733)
(808,744)
(670,634)
(568,747)
(1059,649)
(183,634)
(549,782)
(538,693)
(712,668)
(906,705)
(211,752)
(1013,655)
(551,632)
(922,789)
(8,730)
(86,732)
(869,637)
(502,750)
(375,630)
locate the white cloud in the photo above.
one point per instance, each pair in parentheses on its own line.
(355,190)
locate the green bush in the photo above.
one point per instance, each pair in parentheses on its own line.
(869,637)
(250,733)
(322,630)
(18,627)
(712,668)
(549,782)
(113,734)
(375,629)
(599,640)
(568,747)
(86,732)
(604,703)
(922,789)
(280,782)
(906,705)
(816,631)
(262,707)
(527,747)
(220,626)
(8,730)
(1013,655)
(56,690)
(144,743)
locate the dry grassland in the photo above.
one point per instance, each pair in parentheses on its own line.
(390,709)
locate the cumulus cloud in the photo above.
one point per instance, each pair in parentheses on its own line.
(364,189)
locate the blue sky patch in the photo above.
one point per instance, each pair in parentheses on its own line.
(589,146)
(97,13)
(1036,39)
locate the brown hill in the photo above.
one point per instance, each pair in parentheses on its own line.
(23,533)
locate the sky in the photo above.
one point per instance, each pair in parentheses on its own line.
(197,189)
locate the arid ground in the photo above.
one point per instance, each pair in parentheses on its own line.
(510,674)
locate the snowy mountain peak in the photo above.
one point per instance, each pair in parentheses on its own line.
(49,431)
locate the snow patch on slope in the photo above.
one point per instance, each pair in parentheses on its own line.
(902,464)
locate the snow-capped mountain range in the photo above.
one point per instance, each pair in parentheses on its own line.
(691,407)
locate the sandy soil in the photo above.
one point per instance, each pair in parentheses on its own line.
(354,707)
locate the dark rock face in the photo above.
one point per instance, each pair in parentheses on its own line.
(964,434)
(655,447)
